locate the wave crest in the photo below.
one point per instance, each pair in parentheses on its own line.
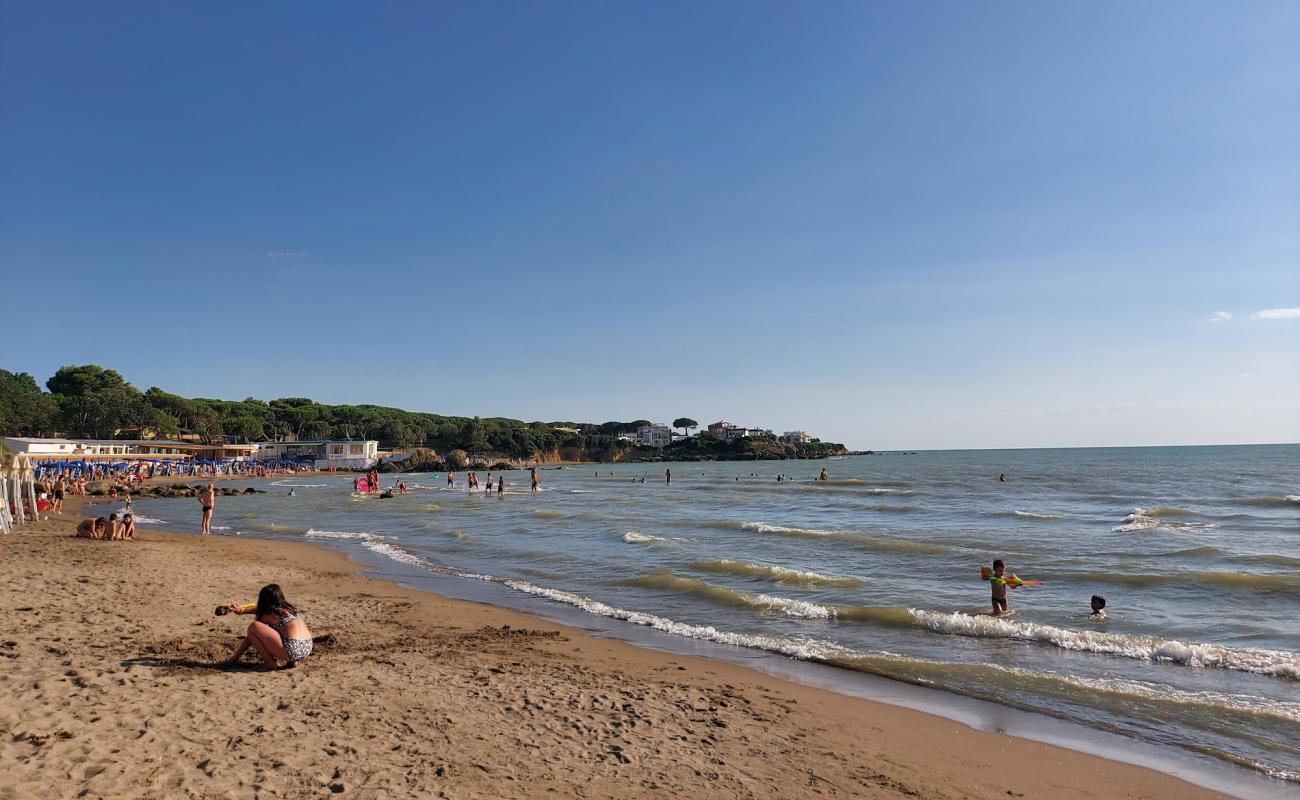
(779,574)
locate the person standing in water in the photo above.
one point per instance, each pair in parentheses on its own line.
(451,479)
(207,498)
(501,486)
(537,482)
(823,476)
(668,477)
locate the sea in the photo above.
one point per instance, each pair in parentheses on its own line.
(871,578)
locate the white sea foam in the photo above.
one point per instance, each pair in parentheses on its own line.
(1277,663)
(804,649)
(286,482)
(1142,519)
(142,520)
(792,608)
(363,535)
(1032,515)
(763,527)
(633,537)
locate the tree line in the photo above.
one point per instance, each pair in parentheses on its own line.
(90,401)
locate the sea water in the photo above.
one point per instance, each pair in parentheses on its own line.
(876,570)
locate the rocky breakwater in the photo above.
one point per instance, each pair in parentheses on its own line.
(173,490)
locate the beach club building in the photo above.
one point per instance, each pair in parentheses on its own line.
(108,449)
(326,454)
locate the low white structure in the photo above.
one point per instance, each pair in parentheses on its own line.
(25,446)
(796,437)
(326,454)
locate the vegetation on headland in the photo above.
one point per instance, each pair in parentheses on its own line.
(90,401)
(749,448)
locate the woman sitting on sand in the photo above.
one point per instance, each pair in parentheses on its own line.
(277,632)
(128,526)
(92,528)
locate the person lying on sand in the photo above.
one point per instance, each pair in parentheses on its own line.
(277,632)
(92,528)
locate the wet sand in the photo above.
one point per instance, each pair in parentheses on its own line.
(108,689)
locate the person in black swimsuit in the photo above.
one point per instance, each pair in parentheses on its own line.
(207,498)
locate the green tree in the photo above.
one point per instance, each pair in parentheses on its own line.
(246,427)
(685,423)
(316,429)
(477,436)
(24,408)
(93,401)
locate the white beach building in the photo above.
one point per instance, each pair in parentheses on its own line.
(652,435)
(325,453)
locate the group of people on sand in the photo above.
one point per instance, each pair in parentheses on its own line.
(108,528)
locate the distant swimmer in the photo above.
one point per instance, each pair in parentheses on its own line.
(293,492)
(823,476)
(668,476)
(1002,477)
(1098,607)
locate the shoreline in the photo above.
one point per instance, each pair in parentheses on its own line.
(651,722)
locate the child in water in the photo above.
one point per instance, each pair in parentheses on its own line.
(1000,605)
(1098,607)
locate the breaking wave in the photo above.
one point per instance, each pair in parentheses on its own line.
(784,575)
(1277,663)
(1141,519)
(878,543)
(633,537)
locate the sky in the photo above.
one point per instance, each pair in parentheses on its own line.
(894,225)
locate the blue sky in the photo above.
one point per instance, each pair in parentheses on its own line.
(897,225)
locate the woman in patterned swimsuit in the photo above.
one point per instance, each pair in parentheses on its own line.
(278,632)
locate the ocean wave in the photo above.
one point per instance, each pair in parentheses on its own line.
(1032,515)
(1271,559)
(725,596)
(877,543)
(1282,583)
(633,537)
(779,574)
(1277,663)
(1141,519)
(1283,501)
(887,508)
(286,482)
(548,514)
(802,609)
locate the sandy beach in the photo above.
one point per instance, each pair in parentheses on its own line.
(108,689)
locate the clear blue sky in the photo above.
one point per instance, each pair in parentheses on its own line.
(897,225)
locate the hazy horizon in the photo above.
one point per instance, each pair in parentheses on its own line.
(894,226)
